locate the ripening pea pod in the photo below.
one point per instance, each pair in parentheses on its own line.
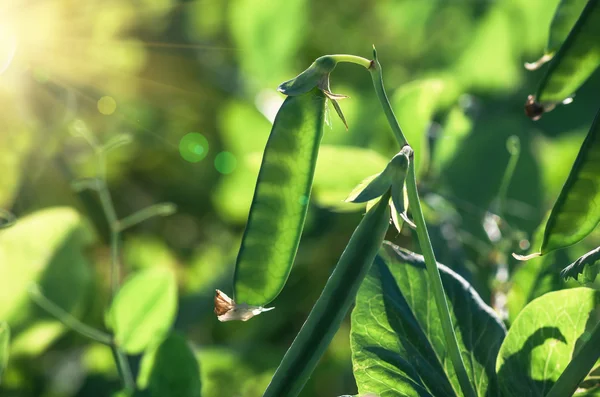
(278,208)
(342,286)
(567,13)
(574,62)
(577,210)
(332,306)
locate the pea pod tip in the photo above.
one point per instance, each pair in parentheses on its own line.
(526,257)
(227,310)
(531,66)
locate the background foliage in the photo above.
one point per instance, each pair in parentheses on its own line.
(193,82)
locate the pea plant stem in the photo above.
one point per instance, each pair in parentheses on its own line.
(578,368)
(423,236)
(435,279)
(366,63)
(377,77)
(115,272)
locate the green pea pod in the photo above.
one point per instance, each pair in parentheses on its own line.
(565,17)
(332,306)
(567,13)
(574,62)
(577,210)
(280,200)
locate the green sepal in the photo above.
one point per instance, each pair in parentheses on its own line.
(317,74)
(375,186)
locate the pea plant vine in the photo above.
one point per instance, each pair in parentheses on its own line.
(418,328)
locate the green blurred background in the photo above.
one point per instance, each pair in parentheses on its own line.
(194,84)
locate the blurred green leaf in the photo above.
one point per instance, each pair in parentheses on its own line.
(143,251)
(543,338)
(268,36)
(36,338)
(225,373)
(170,370)
(397,341)
(339,170)
(556,156)
(144,309)
(454,131)
(415,104)
(45,247)
(244,131)
(490,62)
(4,346)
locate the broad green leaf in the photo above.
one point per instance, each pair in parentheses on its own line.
(531,280)
(144,309)
(575,61)
(44,248)
(4,346)
(397,341)
(280,200)
(543,338)
(577,210)
(170,370)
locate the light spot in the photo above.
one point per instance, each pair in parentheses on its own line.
(8,47)
(303,200)
(225,162)
(193,147)
(107,105)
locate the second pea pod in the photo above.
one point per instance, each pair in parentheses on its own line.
(280,202)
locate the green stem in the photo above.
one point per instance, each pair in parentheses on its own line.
(377,76)
(438,288)
(514,149)
(108,208)
(424,242)
(67,319)
(366,63)
(163,209)
(578,367)
(123,368)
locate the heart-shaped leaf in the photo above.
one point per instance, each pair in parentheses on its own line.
(397,341)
